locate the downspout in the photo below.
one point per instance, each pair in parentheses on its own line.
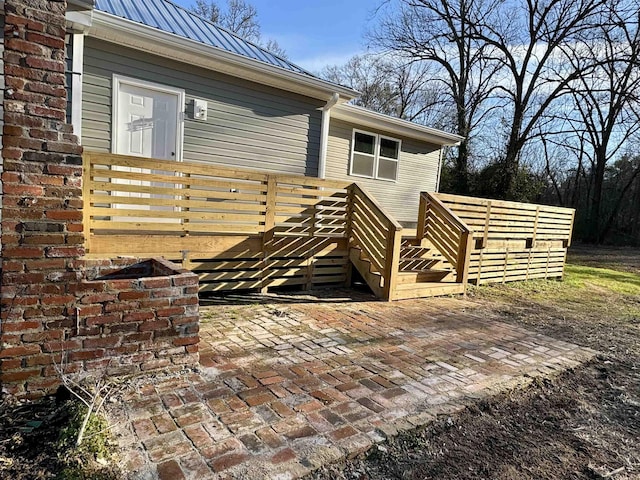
(324,135)
(439,169)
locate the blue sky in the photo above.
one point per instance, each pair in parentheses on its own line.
(314,33)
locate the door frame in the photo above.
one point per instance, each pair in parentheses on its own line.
(118,80)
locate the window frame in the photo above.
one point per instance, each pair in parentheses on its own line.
(376,155)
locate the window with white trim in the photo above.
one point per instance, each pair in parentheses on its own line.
(374,156)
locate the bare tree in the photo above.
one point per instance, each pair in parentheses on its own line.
(531,40)
(391,86)
(238,17)
(607,102)
(440,32)
(208,10)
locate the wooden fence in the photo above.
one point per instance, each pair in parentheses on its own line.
(243,229)
(237,228)
(512,240)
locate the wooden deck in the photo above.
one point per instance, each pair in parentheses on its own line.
(241,229)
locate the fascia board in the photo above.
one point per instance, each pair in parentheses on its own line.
(368,118)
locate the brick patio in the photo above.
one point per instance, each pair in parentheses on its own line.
(288,386)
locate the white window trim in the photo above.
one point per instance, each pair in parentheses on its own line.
(376,155)
(121,79)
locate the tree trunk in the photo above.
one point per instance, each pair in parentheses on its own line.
(509,175)
(461,173)
(593,233)
(511,159)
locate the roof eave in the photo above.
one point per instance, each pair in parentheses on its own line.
(397,126)
(142,37)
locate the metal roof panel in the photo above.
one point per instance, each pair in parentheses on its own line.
(169,17)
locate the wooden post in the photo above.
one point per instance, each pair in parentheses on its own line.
(392,261)
(185,221)
(349,219)
(573,217)
(309,273)
(546,269)
(316,216)
(535,228)
(86,200)
(269,227)
(506,263)
(464,257)
(422,218)
(485,237)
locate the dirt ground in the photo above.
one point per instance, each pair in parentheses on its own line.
(37,442)
(583,424)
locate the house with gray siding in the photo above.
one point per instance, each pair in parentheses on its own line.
(152,79)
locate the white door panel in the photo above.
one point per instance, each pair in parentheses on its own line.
(146,125)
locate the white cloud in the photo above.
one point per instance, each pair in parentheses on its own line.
(318,62)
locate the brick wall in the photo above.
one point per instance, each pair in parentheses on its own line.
(42,204)
(135,316)
(55,306)
(1,112)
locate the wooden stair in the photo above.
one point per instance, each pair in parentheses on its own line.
(417,277)
(367,271)
(427,289)
(432,261)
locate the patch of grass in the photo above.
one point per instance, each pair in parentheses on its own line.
(91,460)
(624,283)
(584,291)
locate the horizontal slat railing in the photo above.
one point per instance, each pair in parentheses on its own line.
(141,195)
(377,234)
(496,221)
(237,228)
(449,234)
(513,240)
(135,195)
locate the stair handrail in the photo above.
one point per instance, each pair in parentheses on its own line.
(390,238)
(462,249)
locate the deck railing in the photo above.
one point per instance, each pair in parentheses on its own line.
(446,232)
(167,201)
(248,229)
(281,229)
(513,240)
(377,234)
(132,194)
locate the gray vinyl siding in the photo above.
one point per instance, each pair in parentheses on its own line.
(248,125)
(417,171)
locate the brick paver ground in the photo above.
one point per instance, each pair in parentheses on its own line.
(286,387)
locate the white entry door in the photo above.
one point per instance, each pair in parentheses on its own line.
(146,123)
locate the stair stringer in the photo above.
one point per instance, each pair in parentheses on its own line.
(363,266)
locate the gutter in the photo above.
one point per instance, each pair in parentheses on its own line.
(368,118)
(125,32)
(324,135)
